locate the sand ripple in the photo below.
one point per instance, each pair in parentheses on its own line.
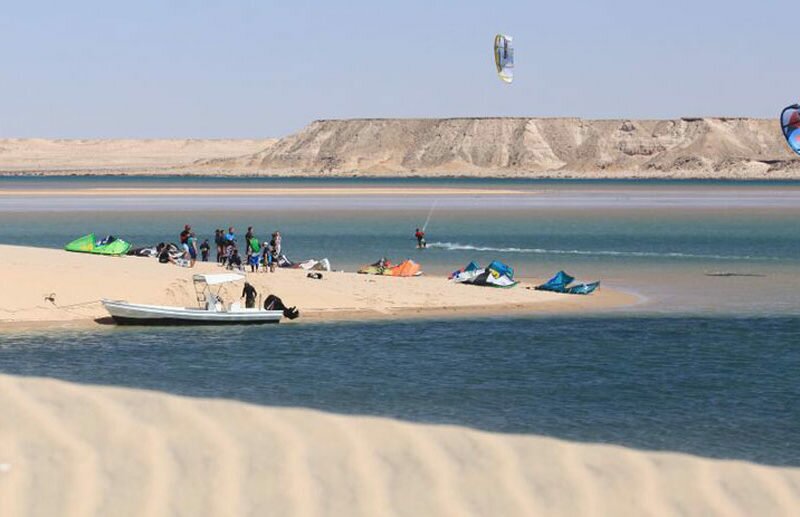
(78,450)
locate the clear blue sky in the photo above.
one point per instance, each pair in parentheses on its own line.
(261,68)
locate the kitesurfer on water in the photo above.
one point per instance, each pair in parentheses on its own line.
(420,235)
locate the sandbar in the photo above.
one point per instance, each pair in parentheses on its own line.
(50,285)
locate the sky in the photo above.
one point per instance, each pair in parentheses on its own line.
(256,69)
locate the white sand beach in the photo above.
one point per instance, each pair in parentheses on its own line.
(78,281)
(67,449)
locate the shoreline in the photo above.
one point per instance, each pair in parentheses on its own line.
(733,175)
(613,300)
(577,179)
(160,191)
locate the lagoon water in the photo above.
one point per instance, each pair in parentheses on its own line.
(705,364)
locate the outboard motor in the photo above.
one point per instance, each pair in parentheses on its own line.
(273,303)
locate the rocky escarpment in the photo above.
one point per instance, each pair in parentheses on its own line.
(534,147)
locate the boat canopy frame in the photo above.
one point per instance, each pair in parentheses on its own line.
(208,298)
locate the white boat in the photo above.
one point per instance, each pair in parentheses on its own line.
(210,311)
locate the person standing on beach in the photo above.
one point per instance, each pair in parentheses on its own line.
(183,238)
(253,255)
(249,294)
(230,244)
(204,249)
(191,243)
(266,256)
(219,240)
(275,244)
(230,237)
(252,248)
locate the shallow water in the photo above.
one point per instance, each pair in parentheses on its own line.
(663,255)
(705,364)
(719,387)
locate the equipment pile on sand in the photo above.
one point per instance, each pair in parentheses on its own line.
(384,267)
(496,274)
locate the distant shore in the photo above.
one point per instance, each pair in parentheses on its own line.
(514,147)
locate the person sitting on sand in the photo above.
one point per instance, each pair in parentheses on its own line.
(235,261)
(163,255)
(229,249)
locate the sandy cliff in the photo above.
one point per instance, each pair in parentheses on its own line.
(702,147)
(527,147)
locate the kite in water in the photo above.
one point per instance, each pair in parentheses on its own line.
(504,57)
(790,124)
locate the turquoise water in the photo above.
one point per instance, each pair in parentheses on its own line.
(663,255)
(704,364)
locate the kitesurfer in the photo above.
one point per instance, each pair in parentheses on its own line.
(420,235)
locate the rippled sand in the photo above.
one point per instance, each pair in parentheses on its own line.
(67,449)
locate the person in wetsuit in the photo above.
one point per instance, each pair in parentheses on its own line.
(249,294)
(205,247)
(234,261)
(420,235)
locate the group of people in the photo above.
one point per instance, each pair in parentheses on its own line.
(256,253)
(228,255)
(266,253)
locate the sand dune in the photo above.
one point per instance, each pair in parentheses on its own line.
(78,281)
(520,147)
(67,449)
(41,155)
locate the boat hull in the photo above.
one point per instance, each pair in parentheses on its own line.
(124,313)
